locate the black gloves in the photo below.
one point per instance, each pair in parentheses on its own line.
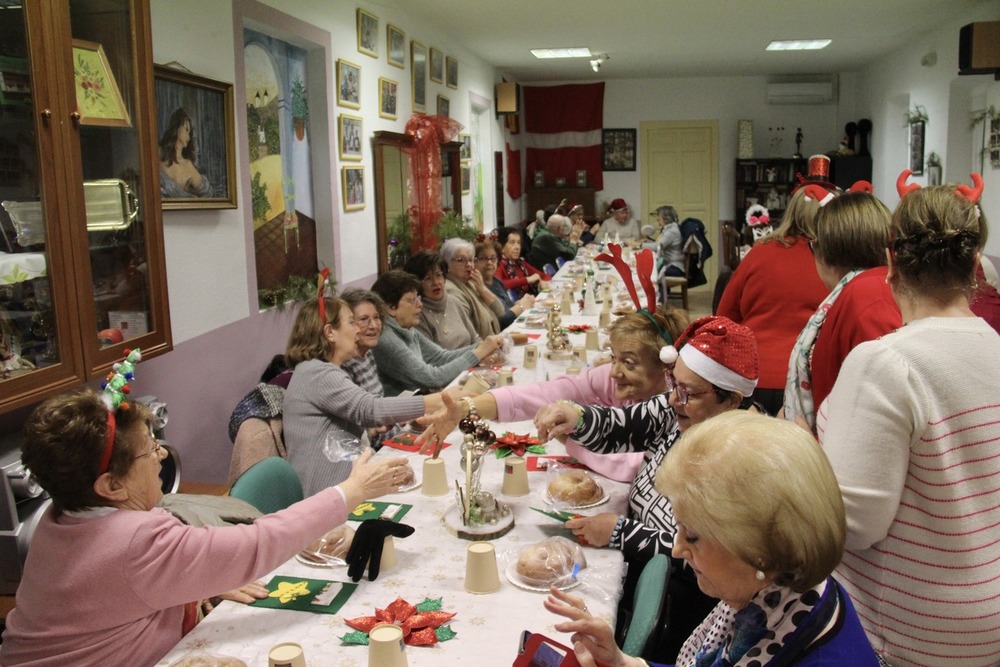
(367,546)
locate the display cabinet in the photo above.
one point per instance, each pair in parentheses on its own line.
(768,182)
(82,272)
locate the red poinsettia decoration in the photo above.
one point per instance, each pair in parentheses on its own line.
(419,626)
(512,443)
(579,328)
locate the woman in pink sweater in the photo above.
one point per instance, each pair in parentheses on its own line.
(111,579)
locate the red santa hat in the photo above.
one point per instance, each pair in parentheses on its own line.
(618,205)
(720,351)
(573,208)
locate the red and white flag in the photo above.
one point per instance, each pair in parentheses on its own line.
(562,132)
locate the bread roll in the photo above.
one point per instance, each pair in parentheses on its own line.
(575,488)
(549,562)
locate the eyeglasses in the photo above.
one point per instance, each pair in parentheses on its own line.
(462,260)
(365,322)
(491,258)
(155,450)
(683,395)
(431,277)
(412,300)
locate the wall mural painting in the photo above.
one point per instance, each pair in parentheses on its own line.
(277,109)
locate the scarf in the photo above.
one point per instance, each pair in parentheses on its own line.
(517,268)
(798,385)
(482,317)
(775,627)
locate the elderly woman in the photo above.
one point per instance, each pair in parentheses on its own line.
(406,358)
(515,273)
(443,318)
(368,311)
(774,291)
(634,374)
(322,402)
(761,523)
(852,232)
(716,371)
(112,579)
(552,242)
(466,286)
(670,261)
(911,428)
(487,256)
(582,232)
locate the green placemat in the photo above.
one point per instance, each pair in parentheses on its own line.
(373,509)
(319,596)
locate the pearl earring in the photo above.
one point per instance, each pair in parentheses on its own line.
(760,575)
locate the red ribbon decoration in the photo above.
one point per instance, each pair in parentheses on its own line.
(321,295)
(428,133)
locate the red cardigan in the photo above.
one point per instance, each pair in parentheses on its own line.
(514,275)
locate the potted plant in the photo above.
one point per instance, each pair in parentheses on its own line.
(451,225)
(400,231)
(300,108)
(933,169)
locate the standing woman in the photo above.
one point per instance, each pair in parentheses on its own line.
(515,273)
(487,256)
(774,291)
(466,286)
(911,429)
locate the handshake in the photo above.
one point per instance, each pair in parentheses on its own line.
(367,546)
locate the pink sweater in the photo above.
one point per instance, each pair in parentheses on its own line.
(593,386)
(110,590)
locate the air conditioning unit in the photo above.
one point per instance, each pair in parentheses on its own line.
(803,90)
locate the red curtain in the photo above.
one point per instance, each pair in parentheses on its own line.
(562,132)
(428,133)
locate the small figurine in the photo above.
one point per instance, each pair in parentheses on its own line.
(798,143)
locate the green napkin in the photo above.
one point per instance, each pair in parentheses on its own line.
(319,596)
(373,509)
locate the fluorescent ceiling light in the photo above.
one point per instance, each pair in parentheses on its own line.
(798,44)
(565,52)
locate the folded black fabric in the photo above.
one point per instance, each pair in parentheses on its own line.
(367,546)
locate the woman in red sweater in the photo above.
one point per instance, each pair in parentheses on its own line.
(515,273)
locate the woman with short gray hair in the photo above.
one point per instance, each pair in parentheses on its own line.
(466,285)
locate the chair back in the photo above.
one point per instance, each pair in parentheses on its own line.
(560,261)
(270,485)
(550,269)
(650,592)
(513,294)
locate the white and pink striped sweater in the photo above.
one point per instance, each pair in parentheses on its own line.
(912,429)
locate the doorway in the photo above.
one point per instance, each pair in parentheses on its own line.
(680,168)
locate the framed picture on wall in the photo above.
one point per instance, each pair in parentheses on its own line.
(466,179)
(917,148)
(618,149)
(352,180)
(395,46)
(387,98)
(437,65)
(465,153)
(205,108)
(451,72)
(367,33)
(443,106)
(350,136)
(418,73)
(348,84)
(98,100)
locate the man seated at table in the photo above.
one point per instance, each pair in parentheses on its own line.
(618,226)
(552,242)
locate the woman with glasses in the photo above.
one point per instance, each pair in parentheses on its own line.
(443,318)
(466,285)
(487,255)
(715,370)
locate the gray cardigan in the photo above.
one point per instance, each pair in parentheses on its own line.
(321,401)
(407,359)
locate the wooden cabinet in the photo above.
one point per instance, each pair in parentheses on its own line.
(540,198)
(768,182)
(82,272)
(846,171)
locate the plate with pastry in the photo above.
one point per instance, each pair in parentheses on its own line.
(330,550)
(552,562)
(575,489)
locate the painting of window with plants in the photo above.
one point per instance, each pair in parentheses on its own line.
(277,113)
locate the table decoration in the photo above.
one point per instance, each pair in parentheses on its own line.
(512,443)
(422,624)
(541,463)
(578,328)
(375,509)
(557,342)
(406,442)
(320,596)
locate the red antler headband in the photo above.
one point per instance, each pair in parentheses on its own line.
(324,275)
(643,266)
(972,194)
(824,196)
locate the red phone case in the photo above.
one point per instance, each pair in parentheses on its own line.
(531,646)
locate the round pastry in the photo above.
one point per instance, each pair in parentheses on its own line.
(575,488)
(334,544)
(549,561)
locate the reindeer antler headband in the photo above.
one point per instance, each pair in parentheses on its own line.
(643,266)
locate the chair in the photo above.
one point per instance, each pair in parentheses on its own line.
(730,244)
(680,282)
(560,261)
(647,605)
(550,269)
(513,294)
(270,485)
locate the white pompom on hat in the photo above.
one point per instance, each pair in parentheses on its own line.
(720,351)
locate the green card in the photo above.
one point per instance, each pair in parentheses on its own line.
(319,596)
(374,509)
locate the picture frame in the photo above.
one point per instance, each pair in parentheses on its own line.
(581,178)
(618,149)
(917,147)
(395,46)
(208,105)
(348,84)
(466,179)
(436,70)
(443,106)
(98,98)
(539,178)
(351,132)
(418,76)
(387,97)
(465,152)
(367,33)
(352,182)
(994,147)
(451,72)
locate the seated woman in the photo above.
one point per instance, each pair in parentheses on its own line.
(405,357)
(515,273)
(487,254)
(369,314)
(112,579)
(670,261)
(465,285)
(442,317)
(582,232)
(634,374)
(761,522)
(715,371)
(323,402)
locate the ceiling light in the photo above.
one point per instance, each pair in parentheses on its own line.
(564,52)
(798,44)
(596,63)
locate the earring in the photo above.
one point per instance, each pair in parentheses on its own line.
(760,575)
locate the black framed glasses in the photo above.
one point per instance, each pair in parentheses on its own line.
(683,395)
(487,259)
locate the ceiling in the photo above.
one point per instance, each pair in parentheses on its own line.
(671,38)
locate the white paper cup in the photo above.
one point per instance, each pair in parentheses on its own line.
(388,560)
(604,319)
(481,574)
(288,654)
(580,355)
(593,341)
(530,356)
(475,385)
(435,482)
(385,646)
(505,378)
(515,477)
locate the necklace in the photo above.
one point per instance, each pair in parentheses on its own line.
(437,319)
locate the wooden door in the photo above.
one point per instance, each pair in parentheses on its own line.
(680,168)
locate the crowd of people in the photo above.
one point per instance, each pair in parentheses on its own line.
(817,459)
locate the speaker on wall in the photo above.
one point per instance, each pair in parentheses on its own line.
(508,98)
(979,48)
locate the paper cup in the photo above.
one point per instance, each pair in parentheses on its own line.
(593,342)
(604,319)
(435,482)
(475,385)
(515,477)
(388,561)
(288,654)
(579,356)
(481,574)
(505,378)
(573,370)
(530,356)
(385,646)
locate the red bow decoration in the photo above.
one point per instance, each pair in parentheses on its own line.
(428,133)
(643,266)
(517,445)
(418,625)
(759,220)
(324,275)
(578,328)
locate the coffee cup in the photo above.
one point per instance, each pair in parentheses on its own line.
(386,647)
(435,482)
(287,654)
(515,477)
(481,574)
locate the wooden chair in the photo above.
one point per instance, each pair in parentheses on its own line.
(731,243)
(680,282)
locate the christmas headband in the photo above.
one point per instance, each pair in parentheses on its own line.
(116,387)
(972,194)
(643,267)
(758,215)
(324,276)
(824,196)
